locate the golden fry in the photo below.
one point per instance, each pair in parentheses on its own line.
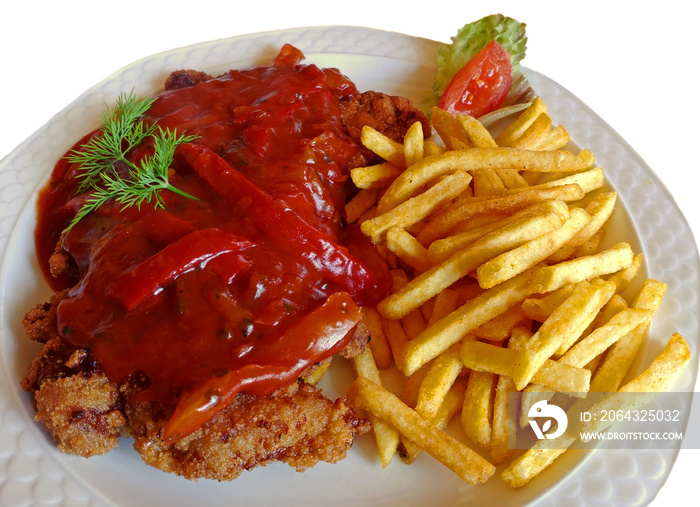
(441,375)
(449,130)
(557,377)
(384,146)
(374,176)
(477,411)
(540,308)
(409,182)
(476,133)
(517,260)
(359,204)
(465,462)
(415,209)
(413,144)
(429,283)
(562,328)
(318,373)
(619,358)
(599,209)
(378,341)
(553,277)
(661,374)
(535,134)
(511,201)
(603,337)
(522,123)
(387,438)
(408,249)
(449,330)
(451,405)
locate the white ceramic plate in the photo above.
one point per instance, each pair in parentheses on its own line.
(33,472)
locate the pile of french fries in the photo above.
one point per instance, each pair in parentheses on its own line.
(500,284)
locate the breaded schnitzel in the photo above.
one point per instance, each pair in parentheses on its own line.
(99,375)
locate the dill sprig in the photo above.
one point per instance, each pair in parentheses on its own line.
(122,130)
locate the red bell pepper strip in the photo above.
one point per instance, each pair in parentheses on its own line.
(280,224)
(315,336)
(187,253)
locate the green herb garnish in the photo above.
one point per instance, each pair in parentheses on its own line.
(122,130)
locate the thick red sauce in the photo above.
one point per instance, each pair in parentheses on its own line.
(231,292)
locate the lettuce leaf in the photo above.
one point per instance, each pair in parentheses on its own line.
(473,37)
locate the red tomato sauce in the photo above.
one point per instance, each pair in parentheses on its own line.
(189,296)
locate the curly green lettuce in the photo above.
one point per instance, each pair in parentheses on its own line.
(473,37)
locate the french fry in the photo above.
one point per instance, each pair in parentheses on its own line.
(540,308)
(408,249)
(500,328)
(410,181)
(445,303)
(557,377)
(487,182)
(531,395)
(316,375)
(449,130)
(441,249)
(586,350)
(496,236)
(411,387)
(378,341)
(386,437)
(449,330)
(589,180)
(553,277)
(528,465)
(511,178)
(556,139)
(563,327)
(442,374)
(398,341)
(451,405)
(384,146)
(511,201)
(591,246)
(614,306)
(413,144)
(374,176)
(415,209)
(502,425)
(599,209)
(619,358)
(661,374)
(476,133)
(465,462)
(413,323)
(517,260)
(535,134)
(603,337)
(477,412)
(429,283)
(430,148)
(521,124)
(359,204)
(624,277)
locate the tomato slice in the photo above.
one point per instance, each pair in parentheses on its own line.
(481,85)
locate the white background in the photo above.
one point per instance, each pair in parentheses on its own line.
(634,63)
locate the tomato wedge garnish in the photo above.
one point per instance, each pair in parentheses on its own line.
(481,85)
